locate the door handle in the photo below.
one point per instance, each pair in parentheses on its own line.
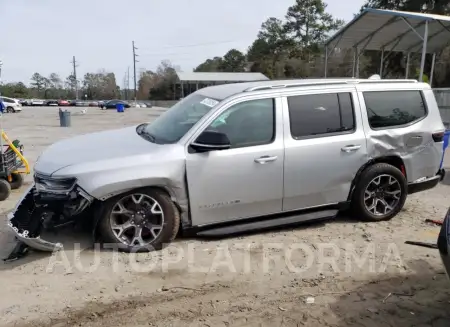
(264,159)
(350,148)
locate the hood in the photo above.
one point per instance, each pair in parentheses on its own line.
(93,147)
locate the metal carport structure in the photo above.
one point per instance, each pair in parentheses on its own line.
(392,31)
(214,78)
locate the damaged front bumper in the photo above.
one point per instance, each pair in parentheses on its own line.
(41,208)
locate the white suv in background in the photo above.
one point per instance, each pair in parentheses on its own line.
(11,105)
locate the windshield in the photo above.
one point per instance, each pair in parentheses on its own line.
(172,125)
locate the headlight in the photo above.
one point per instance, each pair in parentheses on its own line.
(54,185)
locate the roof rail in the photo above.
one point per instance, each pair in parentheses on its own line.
(325,82)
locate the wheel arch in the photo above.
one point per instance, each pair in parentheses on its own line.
(99,208)
(392,160)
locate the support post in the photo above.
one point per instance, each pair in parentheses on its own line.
(407,65)
(432,69)
(381,63)
(424,51)
(354,63)
(357,63)
(326,61)
(182,89)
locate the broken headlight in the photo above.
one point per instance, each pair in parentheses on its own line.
(54,185)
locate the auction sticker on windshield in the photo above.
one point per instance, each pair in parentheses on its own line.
(209,102)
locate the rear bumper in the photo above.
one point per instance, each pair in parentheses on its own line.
(426,184)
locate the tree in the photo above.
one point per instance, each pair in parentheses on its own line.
(210,65)
(272,45)
(309,25)
(233,61)
(38,81)
(147,81)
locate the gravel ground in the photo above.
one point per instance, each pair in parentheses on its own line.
(335,273)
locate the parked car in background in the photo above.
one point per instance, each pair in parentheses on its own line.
(444,243)
(23,102)
(11,105)
(37,102)
(52,103)
(111,104)
(63,103)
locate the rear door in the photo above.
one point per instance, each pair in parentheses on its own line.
(325,147)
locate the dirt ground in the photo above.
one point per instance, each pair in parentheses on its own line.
(334,273)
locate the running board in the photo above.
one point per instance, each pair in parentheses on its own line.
(257,225)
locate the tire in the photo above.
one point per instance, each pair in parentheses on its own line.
(363,202)
(17,181)
(170,223)
(5,189)
(10,110)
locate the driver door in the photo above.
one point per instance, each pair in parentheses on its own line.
(245,180)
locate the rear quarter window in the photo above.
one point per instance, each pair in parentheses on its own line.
(386,109)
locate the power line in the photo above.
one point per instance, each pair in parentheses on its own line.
(134,68)
(75,65)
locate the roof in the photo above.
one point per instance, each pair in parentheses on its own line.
(375,29)
(221,92)
(220,77)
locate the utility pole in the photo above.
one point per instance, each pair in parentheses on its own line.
(75,65)
(134,68)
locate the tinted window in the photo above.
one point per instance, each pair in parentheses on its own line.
(316,114)
(248,123)
(394,108)
(8,100)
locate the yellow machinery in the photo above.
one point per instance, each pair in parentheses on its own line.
(13,165)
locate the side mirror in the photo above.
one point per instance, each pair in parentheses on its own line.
(211,140)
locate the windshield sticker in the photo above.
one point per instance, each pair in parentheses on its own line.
(209,102)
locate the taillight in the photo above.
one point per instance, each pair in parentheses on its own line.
(438,136)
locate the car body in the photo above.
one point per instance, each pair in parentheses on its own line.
(240,157)
(111,104)
(37,102)
(11,105)
(52,103)
(444,242)
(63,103)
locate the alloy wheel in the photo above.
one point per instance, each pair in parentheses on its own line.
(137,219)
(382,195)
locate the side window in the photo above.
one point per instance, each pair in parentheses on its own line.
(394,108)
(320,114)
(248,123)
(7,100)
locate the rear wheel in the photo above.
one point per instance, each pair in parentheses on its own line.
(10,110)
(380,193)
(17,181)
(142,220)
(5,189)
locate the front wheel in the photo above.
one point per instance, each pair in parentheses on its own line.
(380,193)
(142,220)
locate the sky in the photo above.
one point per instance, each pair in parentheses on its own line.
(44,35)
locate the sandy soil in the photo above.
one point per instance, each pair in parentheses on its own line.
(334,273)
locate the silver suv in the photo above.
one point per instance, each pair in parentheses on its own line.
(243,156)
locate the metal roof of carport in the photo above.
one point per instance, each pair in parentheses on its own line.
(377,29)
